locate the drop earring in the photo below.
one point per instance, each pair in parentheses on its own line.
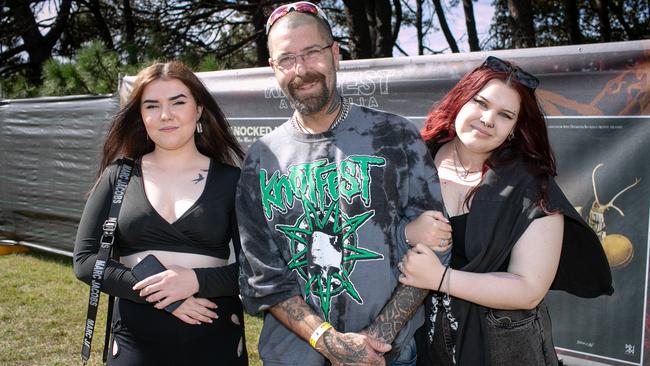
(511,136)
(199,127)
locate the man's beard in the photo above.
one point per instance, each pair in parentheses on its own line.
(312,103)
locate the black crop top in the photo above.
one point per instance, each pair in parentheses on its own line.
(458,257)
(205,228)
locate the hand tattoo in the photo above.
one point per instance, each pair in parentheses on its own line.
(344,350)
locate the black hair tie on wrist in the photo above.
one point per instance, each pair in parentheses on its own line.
(443,277)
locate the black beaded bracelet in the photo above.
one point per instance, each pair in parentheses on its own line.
(443,277)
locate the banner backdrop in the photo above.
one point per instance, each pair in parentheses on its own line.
(596,97)
(603,169)
(50,155)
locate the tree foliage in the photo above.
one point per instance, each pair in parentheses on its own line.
(563,22)
(92,71)
(78,46)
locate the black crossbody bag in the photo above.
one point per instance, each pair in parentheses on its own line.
(105,246)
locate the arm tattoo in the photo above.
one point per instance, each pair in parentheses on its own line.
(340,348)
(295,309)
(399,309)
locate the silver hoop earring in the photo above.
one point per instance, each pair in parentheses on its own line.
(199,127)
(511,136)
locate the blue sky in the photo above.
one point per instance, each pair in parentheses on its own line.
(483,12)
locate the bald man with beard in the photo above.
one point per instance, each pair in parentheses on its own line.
(322,205)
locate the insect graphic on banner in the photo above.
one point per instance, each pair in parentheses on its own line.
(618,248)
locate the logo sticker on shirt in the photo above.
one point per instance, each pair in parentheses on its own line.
(323,241)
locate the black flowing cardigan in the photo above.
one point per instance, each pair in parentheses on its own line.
(502,208)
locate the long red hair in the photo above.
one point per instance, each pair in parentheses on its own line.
(530,141)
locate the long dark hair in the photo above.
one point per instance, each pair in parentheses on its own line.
(127,136)
(530,141)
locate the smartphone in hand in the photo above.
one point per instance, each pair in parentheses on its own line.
(149,266)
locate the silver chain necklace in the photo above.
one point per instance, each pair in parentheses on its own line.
(343,114)
(462,175)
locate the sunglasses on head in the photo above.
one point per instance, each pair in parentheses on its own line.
(301,7)
(524,78)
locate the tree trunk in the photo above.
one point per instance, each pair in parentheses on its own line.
(523,31)
(470,23)
(398,19)
(369,6)
(259,24)
(384,33)
(572,22)
(445,27)
(418,26)
(603,17)
(357,22)
(617,9)
(129,32)
(105,33)
(38,46)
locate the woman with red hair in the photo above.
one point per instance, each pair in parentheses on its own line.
(514,233)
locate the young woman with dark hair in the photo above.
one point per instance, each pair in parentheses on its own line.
(514,234)
(178,207)
(128,135)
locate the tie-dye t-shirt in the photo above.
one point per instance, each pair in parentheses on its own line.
(322,216)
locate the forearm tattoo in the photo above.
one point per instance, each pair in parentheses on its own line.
(295,310)
(399,309)
(340,351)
(339,348)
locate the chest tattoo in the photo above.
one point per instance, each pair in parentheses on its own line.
(200,177)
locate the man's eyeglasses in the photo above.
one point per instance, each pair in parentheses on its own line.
(310,56)
(301,7)
(524,78)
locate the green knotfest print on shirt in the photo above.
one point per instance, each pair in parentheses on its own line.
(323,240)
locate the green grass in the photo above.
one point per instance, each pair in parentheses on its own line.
(43,309)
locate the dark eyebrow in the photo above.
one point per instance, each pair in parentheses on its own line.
(181,95)
(306,49)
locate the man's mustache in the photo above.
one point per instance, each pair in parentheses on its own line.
(308,78)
